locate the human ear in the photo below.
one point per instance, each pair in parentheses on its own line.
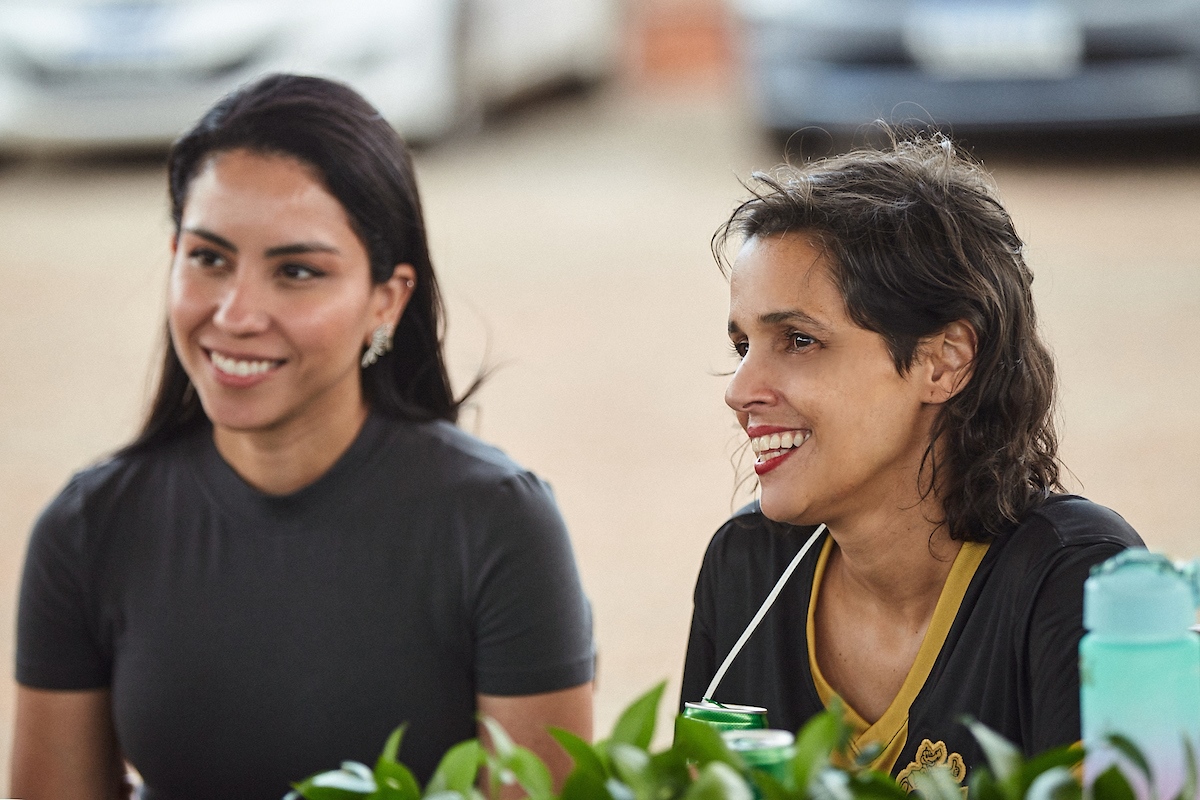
(950,356)
(390,298)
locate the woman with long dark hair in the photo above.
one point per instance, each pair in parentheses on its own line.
(300,550)
(899,402)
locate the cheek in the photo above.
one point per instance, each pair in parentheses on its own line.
(186,305)
(330,327)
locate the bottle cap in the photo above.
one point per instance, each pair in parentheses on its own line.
(1139,595)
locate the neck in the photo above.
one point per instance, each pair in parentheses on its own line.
(898,561)
(283,460)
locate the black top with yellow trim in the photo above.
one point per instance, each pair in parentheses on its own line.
(1002,645)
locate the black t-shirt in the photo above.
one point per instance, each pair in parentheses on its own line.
(251,640)
(1009,657)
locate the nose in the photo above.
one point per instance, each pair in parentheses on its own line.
(242,306)
(750,387)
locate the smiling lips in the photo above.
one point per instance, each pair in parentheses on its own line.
(771,448)
(242,370)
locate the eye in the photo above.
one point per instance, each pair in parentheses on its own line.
(740,348)
(299,272)
(206,258)
(798,341)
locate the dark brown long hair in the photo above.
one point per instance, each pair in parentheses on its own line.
(366,166)
(917,239)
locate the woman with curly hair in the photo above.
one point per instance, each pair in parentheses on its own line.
(899,403)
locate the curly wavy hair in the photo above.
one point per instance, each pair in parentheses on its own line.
(917,239)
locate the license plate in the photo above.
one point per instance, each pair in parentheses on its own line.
(965,40)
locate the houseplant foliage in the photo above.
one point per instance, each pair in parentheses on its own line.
(699,766)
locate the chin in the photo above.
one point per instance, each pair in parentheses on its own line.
(237,419)
(780,510)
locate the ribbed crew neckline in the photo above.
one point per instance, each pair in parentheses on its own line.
(324,497)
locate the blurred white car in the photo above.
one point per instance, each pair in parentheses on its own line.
(118,73)
(989,65)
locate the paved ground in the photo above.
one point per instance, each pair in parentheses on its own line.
(573,243)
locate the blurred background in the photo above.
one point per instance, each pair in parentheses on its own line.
(575,158)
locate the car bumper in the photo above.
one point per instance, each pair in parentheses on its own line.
(798,95)
(840,64)
(90,94)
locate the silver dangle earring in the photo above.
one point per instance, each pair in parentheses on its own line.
(381,342)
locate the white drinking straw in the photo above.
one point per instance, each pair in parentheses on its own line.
(762,612)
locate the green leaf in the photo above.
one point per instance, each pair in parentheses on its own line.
(702,743)
(831,784)
(1190,782)
(583,754)
(516,764)
(1056,783)
(869,753)
(392,745)
(873,785)
(584,785)
(502,743)
(719,781)
(636,723)
(310,792)
(982,785)
(394,782)
(936,783)
(618,790)
(531,773)
(817,740)
(1112,785)
(1131,751)
(632,766)
(458,769)
(389,792)
(768,787)
(1002,755)
(352,782)
(1059,757)
(672,773)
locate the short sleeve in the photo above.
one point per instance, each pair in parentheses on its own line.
(533,624)
(57,645)
(1055,629)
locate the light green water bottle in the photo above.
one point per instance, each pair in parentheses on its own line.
(1140,666)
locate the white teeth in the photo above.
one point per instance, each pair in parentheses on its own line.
(242,369)
(774,445)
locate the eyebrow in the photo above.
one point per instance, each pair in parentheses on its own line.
(780,317)
(282,250)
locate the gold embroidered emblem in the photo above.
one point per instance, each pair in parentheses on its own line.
(930,755)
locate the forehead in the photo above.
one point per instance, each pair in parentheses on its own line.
(791,271)
(234,179)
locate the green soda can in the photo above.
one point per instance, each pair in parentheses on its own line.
(727,717)
(764,749)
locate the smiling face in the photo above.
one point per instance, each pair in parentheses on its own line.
(837,432)
(271,298)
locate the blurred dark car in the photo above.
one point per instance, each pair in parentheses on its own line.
(972,65)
